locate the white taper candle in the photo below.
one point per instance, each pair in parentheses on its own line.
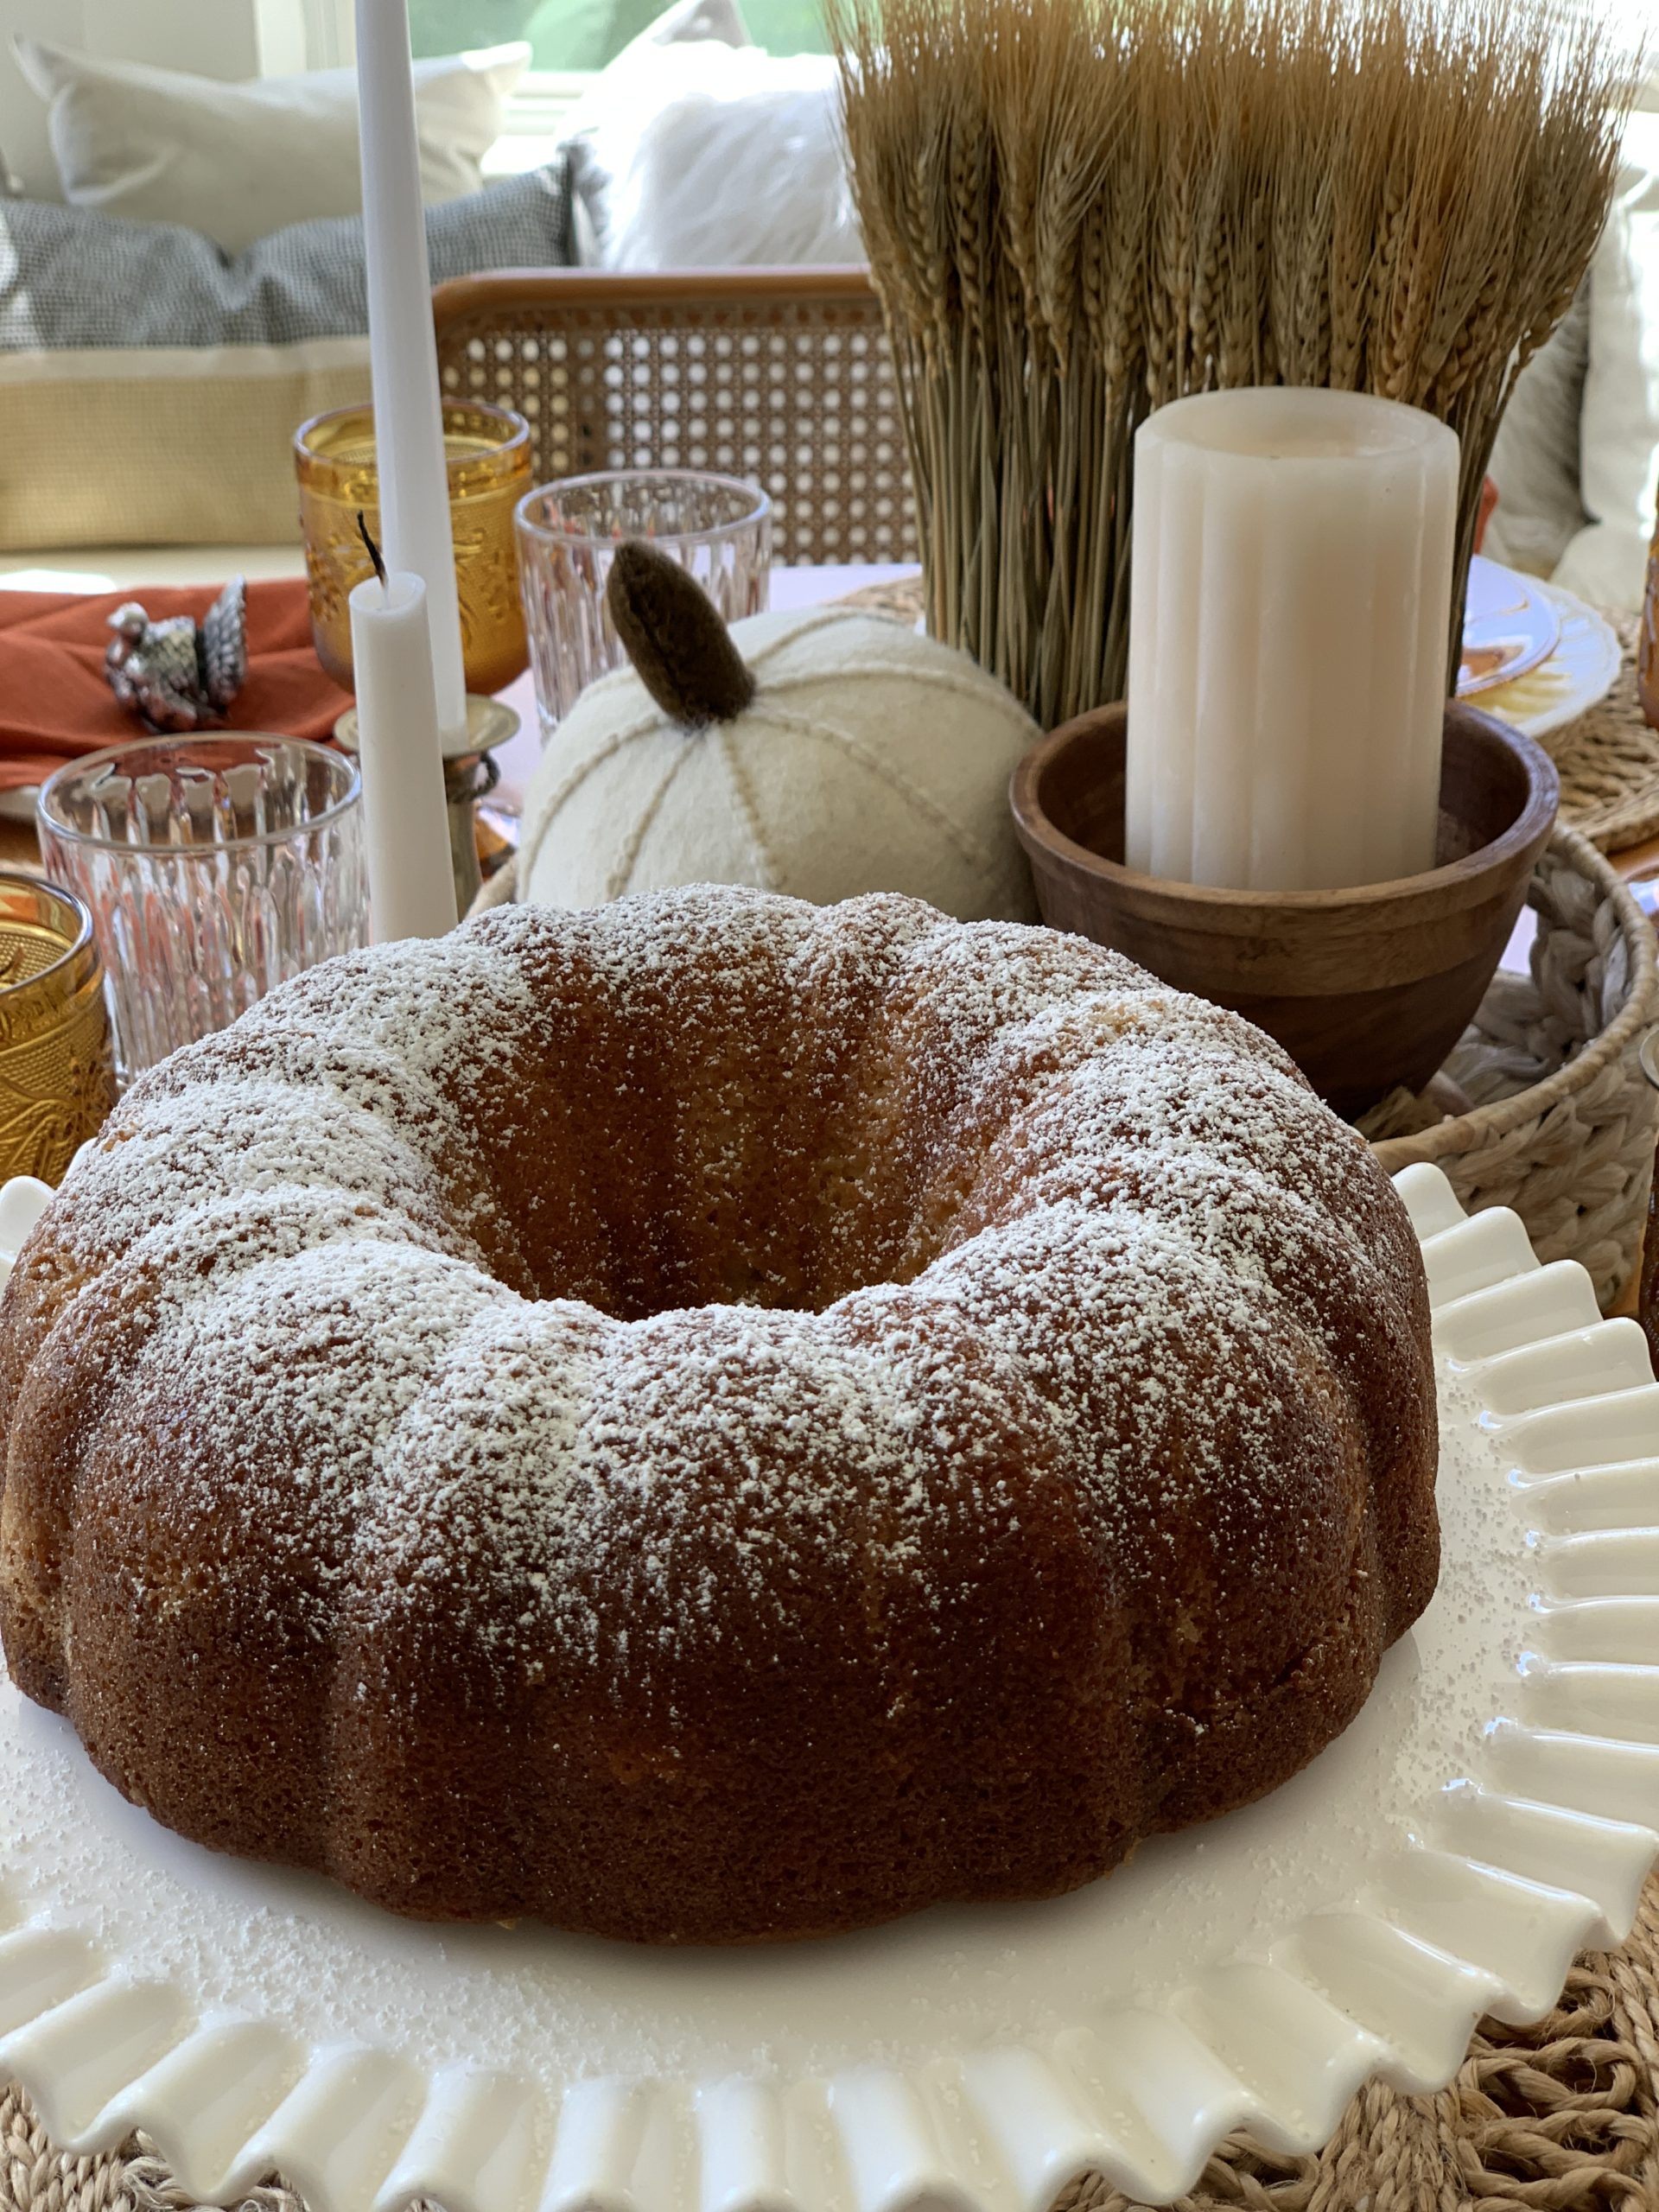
(1289,610)
(405,819)
(403,351)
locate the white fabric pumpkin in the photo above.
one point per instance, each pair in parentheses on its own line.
(871,758)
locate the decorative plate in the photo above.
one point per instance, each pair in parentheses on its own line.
(1510,626)
(1492,1809)
(1578,672)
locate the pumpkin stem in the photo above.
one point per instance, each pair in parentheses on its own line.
(681,650)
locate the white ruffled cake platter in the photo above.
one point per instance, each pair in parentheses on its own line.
(1493,1809)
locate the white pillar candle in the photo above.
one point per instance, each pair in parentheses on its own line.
(1289,611)
(403,348)
(405,820)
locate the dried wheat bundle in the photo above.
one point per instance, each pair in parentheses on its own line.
(1076,210)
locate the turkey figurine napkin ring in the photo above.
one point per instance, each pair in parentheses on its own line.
(180,675)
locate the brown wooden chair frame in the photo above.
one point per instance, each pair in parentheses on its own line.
(780,376)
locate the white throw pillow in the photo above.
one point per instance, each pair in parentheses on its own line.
(1606,562)
(237,162)
(704,156)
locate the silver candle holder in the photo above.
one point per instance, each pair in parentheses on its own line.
(470,774)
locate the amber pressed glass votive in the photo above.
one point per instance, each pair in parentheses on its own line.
(488,449)
(57,1065)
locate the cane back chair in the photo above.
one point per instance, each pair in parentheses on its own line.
(780,376)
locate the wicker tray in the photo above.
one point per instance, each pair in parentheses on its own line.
(1562,1121)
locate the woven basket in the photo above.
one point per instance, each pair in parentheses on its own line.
(1565,1123)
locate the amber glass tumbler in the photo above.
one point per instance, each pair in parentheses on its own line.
(57,1065)
(488,453)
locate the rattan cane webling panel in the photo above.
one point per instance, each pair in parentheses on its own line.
(780,376)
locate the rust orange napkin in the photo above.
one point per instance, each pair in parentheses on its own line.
(55,703)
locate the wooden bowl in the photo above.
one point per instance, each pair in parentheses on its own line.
(1365,988)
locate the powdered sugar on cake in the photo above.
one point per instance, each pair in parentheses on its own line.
(299,1200)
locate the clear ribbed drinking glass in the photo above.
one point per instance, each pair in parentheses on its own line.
(716,526)
(214,868)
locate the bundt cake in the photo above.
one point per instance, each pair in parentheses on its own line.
(713,1419)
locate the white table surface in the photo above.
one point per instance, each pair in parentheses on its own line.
(119,568)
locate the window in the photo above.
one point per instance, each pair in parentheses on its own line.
(568,35)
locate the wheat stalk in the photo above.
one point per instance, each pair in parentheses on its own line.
(1077,210)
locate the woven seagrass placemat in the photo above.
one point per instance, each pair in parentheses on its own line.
(1608,758)
(1563,2117)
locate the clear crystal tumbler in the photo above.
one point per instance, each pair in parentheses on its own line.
(214,867)
(716,526)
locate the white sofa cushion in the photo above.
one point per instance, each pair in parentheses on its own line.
(237,162)
(718,158)
(150,389)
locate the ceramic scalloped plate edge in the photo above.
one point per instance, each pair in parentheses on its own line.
(1540,1848)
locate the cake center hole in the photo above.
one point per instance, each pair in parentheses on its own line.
(645,1231)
